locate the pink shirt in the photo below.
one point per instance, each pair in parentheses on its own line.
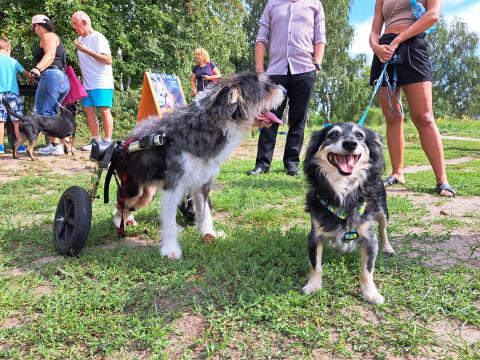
(290,29)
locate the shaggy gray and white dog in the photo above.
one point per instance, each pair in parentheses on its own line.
(346,198)
(199,138)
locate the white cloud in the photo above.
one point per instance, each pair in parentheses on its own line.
(360,43)
(468,15)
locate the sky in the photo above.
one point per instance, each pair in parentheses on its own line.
(362,14)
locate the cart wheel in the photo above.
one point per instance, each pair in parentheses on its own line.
(72,221)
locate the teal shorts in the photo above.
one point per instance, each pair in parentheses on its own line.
(98,98)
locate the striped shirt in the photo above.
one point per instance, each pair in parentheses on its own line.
(290,29)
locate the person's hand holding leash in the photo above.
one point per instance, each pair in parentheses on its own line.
(384,52)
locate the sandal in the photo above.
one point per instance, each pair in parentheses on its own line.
(391,180)
(445,186)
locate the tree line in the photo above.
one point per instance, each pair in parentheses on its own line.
(162,35)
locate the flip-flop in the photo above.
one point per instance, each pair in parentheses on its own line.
(390,180)
(445,186)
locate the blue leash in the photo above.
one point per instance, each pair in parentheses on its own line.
(390,87)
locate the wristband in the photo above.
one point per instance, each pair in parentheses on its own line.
(318,66)
(37,69)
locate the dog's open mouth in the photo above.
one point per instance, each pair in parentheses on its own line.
(344,163)
(269,117)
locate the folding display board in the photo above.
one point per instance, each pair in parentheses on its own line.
(160,93)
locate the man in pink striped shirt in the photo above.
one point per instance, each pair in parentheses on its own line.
(294,31)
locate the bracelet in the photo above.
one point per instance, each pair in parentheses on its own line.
(37,69)
(318,66)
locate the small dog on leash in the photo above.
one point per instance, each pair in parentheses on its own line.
(62,126)
(346,198)
(199,138)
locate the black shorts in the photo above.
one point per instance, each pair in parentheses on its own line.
(414,63)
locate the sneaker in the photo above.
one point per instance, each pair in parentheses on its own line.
(22,149)
(47,150)
(88,147)
(51,150)
(58,150)
(2,149)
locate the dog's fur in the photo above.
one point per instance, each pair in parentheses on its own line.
(199,138)
(62,126)
(343,164)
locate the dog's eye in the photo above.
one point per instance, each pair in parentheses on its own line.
(333,135)
(359,135)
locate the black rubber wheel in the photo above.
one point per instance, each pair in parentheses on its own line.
(72,221)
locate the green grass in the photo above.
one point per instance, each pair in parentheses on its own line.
(123,302)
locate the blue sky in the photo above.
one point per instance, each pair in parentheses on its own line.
(362,12)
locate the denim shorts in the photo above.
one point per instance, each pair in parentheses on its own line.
(15,102)
(98,98)
(52,89)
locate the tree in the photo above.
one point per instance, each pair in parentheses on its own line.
(456,69)
(143,34)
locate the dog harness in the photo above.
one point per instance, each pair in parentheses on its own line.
(342,213)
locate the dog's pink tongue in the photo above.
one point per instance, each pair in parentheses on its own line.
(272,118)
(346,163)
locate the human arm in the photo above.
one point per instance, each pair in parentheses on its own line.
(101,57)
(383,52)
(426,21)
(263,37)
(319,36)
(193,84)
(48,43)
(215,73)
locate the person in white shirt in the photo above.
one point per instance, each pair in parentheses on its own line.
(95,60)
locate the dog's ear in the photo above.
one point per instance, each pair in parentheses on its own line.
(227,101)
(310,166)
(375,146)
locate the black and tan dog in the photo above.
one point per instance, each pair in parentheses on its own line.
(62,126)
(346,198)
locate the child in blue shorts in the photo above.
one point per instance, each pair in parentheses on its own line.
(9,68)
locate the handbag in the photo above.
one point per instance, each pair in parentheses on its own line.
(77,91)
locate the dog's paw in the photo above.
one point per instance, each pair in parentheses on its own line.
(373,297)
(117,220)
(388,250)
(311,288)
(208,238)
(171,251)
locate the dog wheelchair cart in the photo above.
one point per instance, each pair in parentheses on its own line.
(73,216)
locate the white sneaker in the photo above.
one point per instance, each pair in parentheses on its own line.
(51,150)
(47,150)
(58,150)
(87,147)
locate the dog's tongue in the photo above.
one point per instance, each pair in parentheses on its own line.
(346,163)
(272,118)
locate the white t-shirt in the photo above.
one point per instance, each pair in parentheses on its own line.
(95,75)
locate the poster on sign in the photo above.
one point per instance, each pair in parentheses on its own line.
(160,93)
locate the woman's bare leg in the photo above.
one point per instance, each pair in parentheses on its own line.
(394,130)
(419,98)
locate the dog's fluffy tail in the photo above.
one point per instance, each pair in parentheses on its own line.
(11,112)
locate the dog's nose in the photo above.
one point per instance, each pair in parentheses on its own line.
(283,89)
(349,145)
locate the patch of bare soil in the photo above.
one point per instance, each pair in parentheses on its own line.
(417,168)
(131,241)
(10,323)
(187,330)
(14,272)
(11,169)
(460,245)
(451,137)
(126,354)
(248,149)
(450,335)
(43,290)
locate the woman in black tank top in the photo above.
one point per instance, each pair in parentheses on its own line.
(53,85)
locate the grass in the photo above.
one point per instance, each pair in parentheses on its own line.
(240,297)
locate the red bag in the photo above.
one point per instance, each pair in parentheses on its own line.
(77,91)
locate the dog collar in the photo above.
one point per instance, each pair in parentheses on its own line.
(342,213)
